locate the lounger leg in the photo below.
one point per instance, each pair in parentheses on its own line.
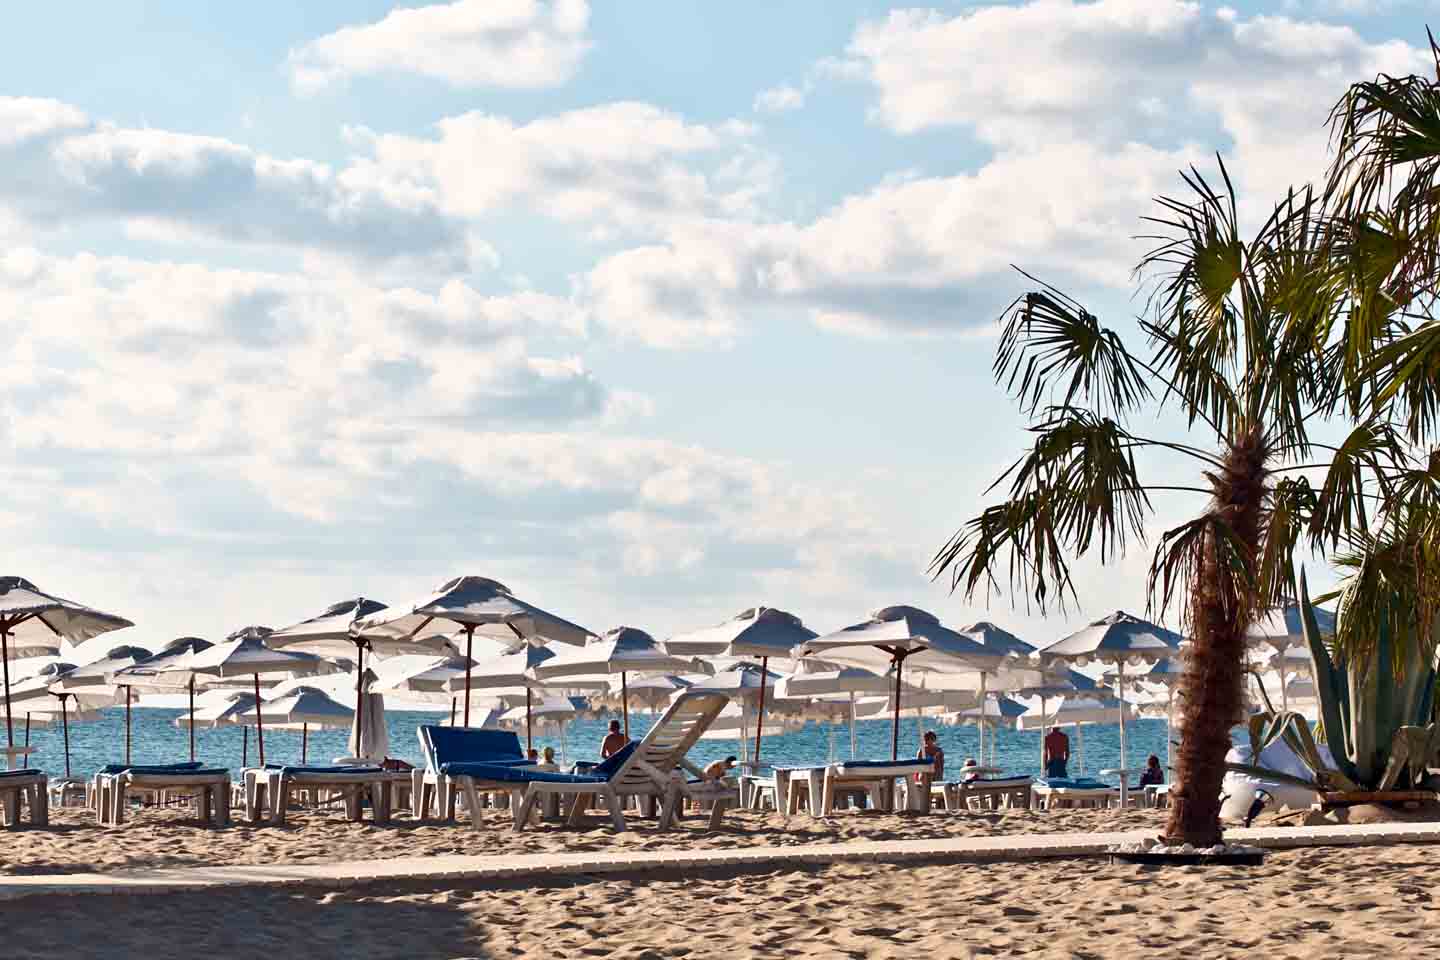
(827,797)
(578,807)
(617,816)
(524,808)
(41,813)
(117,801)
(472,799)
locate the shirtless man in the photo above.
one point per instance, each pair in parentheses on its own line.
(1057,753)
(614,741)
(718,769)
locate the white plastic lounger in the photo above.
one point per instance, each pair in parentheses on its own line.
(24,790)
(1053,793)
(277,787)
(211,788)
(877,777)
(647,768)
(988,793)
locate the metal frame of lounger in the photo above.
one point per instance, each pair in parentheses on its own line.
(211,787)
(650,770)
(22,790)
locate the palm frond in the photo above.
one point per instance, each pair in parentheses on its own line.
(1051,344)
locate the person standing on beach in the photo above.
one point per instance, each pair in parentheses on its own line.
(1057,753)
(614,741)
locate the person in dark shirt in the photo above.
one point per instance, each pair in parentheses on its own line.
(1154,775)
(1057,753)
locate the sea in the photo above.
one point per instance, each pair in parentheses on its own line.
(155,738)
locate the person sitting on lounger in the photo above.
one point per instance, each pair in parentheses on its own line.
(973,774)
(717,770)
(1153,776)
(1057,753)
(614,741)
(931,750)
(548,756)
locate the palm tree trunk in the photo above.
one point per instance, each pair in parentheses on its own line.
(1222,609)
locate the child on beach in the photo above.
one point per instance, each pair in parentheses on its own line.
(718,769)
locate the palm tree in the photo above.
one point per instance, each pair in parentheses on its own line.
(1254,340)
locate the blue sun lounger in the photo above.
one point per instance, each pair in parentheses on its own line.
(24,789)
(644,768)
(444,747)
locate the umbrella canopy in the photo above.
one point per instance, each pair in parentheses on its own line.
(511,670)
(164,672)
(244,653)
(419,677)
(40,693)
(755,632)
(991,637)
(743,682)
(622,650)
(475,604)
(33,623)
(1122,640)
(304,706)
(999,712)
(1280,627)
(1068,711)
(221,713)
(651,693)
(903,636)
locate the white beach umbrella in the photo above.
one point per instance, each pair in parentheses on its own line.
(997,713)
(1079,711)
(245,654)
(650,693)
(162,673)
(475,604)
(1164,678)
(300,709)
(550,715)
(98,675)
(1281,636)
(623,650)
(225,710)
(370,733)
(815,679)
(41,693)
(1120,640)
(511,670)
(33,623)
(900,636)
(759,631)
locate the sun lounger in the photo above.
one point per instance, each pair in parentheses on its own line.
(277,786)
(211,788)
(442,746)
(22,790)
(988,793)
(876,777)
(645,768)
(102,781)
(1056,792)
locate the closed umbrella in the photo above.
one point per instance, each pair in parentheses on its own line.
(164,672)
(475,604)
(1118,640)
(761,631)
(622,650)
(370,740)
(245,654)
(33,624)
(895,637)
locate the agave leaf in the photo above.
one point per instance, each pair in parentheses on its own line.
(1410,752)
(1330,686)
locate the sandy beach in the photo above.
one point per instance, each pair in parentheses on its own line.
(1325,902)
(75,844)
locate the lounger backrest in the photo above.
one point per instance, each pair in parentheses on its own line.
(444,745)
(669,740)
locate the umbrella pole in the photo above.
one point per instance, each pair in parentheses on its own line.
(305,742)
(469,641)
(625,702)
(244,744)
(529,727)
(5,665)
(65,724)
(852,725)
(895,727)
(452,711)
(259,722)
(359,698)
(1169,731)
(127,726)
(1080,739)
(1124,765)
(192,720)
(1043,723)
(760,711)
(982,717)
(27,728)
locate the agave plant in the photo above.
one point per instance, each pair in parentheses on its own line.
(1376,697)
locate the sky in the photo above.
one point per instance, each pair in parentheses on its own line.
(652,311)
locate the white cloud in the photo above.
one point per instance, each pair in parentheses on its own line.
(627,164)
(61,167)
(779,99)
(468,43)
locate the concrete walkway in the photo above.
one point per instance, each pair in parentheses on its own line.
(542,866)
